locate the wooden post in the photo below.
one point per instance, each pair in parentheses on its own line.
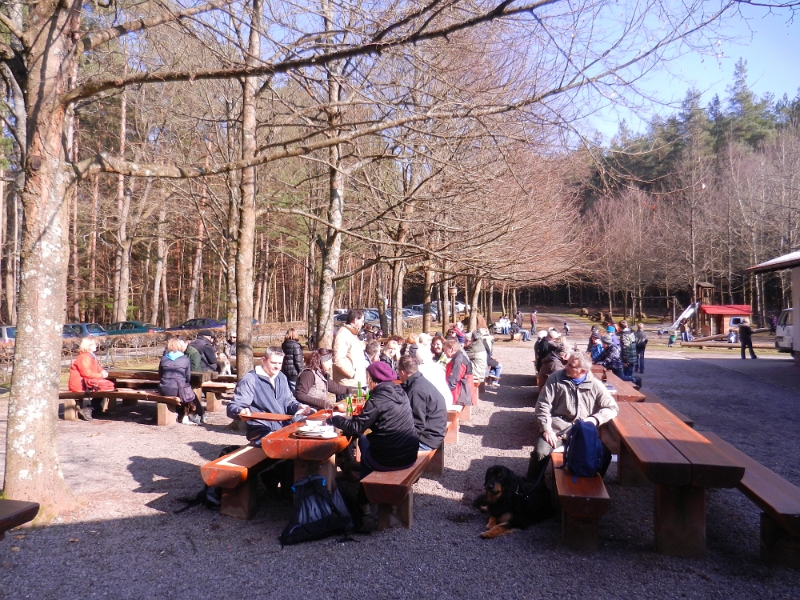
(680,521)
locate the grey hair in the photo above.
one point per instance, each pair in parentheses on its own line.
(583,358)
(272,351)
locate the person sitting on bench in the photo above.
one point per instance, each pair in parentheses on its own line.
(392,444)
(265,389)
(427,404)
(556,409)
(86,374)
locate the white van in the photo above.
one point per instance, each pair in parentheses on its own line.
(783,333)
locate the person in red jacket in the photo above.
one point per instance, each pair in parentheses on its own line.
(86,374)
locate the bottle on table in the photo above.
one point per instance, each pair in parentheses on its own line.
(349,406)
(359,395)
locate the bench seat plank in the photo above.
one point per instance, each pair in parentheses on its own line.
(776,496)
(14,513)
(391,487)
(711,466)
(232,469)
(654,455)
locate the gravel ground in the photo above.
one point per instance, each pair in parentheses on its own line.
(124,541)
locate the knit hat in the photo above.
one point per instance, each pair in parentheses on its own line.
(206,333)
(606,339)
(381,371)
(610,329)
(596,335)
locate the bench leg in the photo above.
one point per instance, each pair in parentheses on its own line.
(404,512)
(778,547)
(110,403)
(70,410)
(680,520)
(580,533)
(165,414)
(242,501)
(451,435)
(212,402)
(327,468)
(628,472)
(436,464)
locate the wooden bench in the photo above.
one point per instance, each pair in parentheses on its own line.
(166,408)
(453,417)
(583,501)
(14,513)
(236,473)
(211,390)
(390,489)
(779,501)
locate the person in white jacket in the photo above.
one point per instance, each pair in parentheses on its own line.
(349,363)
(432,371)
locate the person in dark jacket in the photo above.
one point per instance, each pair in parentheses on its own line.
(392,444)
(641,346)
(194,358)
(265,389)
(427,404)
(612,360)
(292,357)
(175,373)
(315,383)
(204,344)
(553,362)
(746,338)
(459,373)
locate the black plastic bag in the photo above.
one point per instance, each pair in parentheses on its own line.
(317,513)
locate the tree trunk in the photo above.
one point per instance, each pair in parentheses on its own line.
(123,206)
(426,306)
(398,276)
(444,306)
(473,313)
(164,291)
(93,248)
(247,208)
(161,253)
(197,265)
(33,471)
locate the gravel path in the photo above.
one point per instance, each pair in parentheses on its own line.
(124,541)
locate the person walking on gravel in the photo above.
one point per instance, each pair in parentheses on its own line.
(746,338)
(641,344)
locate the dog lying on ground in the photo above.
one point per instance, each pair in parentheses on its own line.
(513,503)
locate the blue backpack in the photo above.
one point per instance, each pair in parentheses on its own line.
(583,450)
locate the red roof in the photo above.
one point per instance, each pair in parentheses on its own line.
(728,309)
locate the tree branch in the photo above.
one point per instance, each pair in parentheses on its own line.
(9,24)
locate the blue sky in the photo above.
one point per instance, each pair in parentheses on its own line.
(770,44)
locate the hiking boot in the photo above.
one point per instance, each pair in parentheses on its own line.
(85,414)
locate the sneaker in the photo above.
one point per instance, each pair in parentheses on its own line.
(196,419)
(186,421)
(85,414)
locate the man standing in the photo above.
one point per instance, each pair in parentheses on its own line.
(427,404)
(746,338)
(569,395)
(265,389)
(628,348)
(534,321)
(349,363)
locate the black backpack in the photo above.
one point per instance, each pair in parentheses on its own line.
(317,512)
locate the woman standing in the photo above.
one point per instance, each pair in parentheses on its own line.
(175,373)
(292,357)
(86,374)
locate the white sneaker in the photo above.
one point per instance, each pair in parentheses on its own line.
(186,421)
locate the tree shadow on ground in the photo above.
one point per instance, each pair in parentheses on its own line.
(506,430)
(210,451)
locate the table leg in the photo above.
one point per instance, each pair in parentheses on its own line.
(327,468)
(212,403)
(628,472)
(680,520)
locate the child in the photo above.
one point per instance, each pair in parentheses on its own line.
(672,338)
(660,332)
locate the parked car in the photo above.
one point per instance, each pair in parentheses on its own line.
(68,332)
(198,324)
(125,327)
(225,321)
(783,332)
(419,310)
(8,334)
(88,329)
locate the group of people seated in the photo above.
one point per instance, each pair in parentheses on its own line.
(619,349)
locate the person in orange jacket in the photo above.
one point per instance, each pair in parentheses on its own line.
(86,372)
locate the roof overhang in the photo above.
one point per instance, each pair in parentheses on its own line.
(733,310)
(787,261)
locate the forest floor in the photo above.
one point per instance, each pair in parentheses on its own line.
(123,539)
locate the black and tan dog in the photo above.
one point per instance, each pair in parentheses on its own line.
(512,502)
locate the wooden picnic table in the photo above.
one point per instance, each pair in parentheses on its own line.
(196,381)
(14,513)
(310,456)
(622,391)
(655,446)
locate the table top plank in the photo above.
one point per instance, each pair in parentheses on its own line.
(659,460)
(282,444)
(14,513)
(711,465)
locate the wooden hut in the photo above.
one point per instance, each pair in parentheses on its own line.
(720,318)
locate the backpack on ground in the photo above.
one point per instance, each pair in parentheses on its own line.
(583,450)
(317,512)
